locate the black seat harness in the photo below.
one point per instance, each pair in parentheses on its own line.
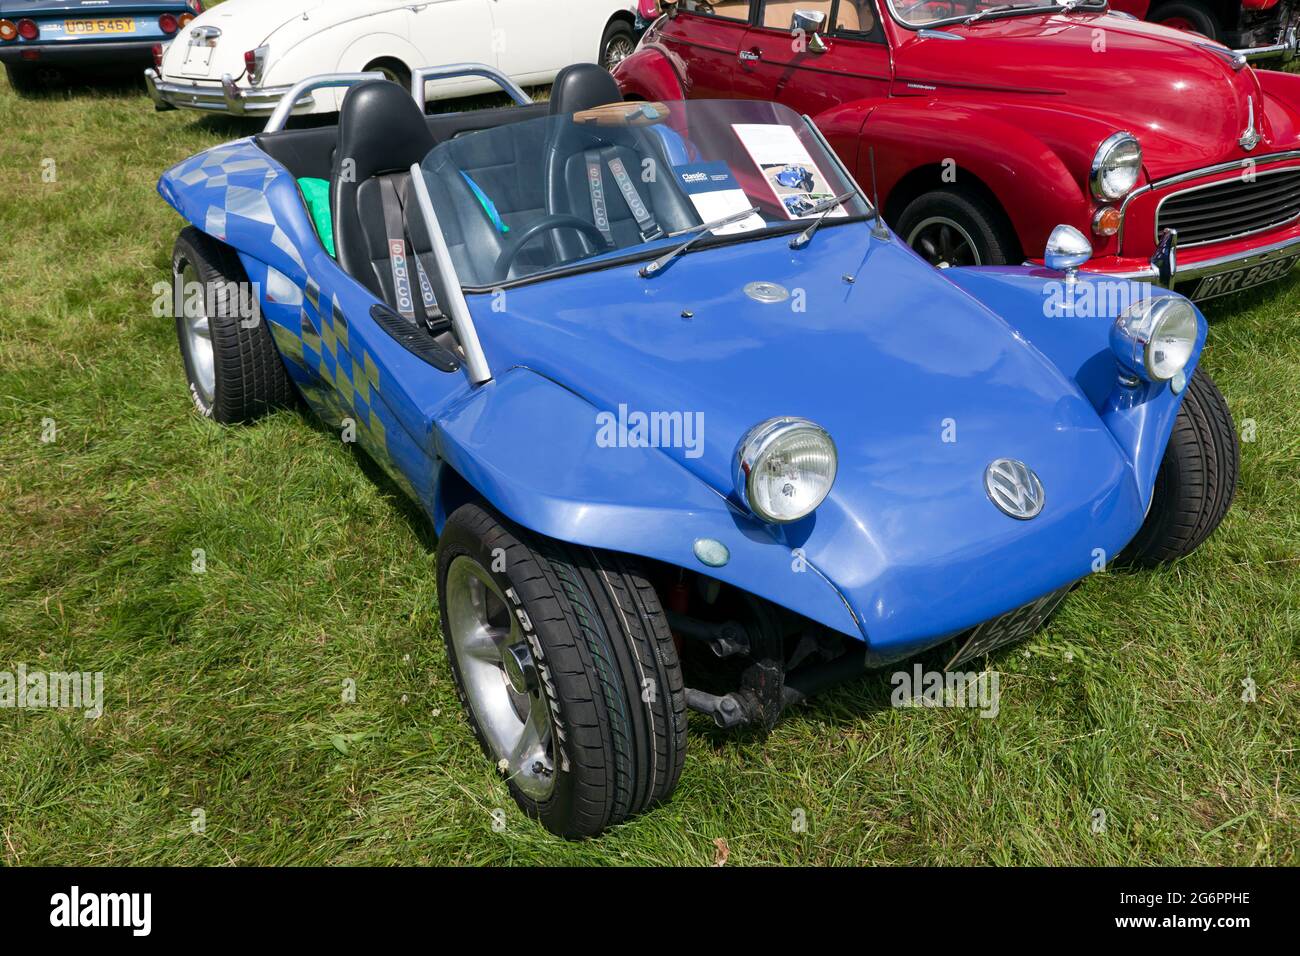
(645,220)
(401,251)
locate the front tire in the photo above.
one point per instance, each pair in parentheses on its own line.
(616,45)
(1196,481)
(234,370)
(566,670)
(951,227)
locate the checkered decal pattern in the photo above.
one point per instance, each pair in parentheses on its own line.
(229,183)
(326,350)
(226,192)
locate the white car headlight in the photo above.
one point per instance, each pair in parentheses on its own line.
(785,468)
(1116,167)
(1154,338)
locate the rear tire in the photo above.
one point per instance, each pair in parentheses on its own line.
(1186,15)
(1196,481)
(951,227)
(23,79)
(235,373)
(394,71)
(606,679)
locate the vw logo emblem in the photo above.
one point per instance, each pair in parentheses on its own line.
(1014,488)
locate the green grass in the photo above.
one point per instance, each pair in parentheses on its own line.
(223,690)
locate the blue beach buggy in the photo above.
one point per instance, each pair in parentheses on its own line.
(684,446)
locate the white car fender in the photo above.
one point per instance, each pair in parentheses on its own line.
(335,50)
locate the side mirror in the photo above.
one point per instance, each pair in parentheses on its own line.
(1067,249)
(810,23)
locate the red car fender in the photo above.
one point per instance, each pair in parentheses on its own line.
(1281,104)
(918,140)
(651,73)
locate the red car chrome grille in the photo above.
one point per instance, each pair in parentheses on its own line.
(1236,207)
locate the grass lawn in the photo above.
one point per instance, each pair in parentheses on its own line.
(223,690)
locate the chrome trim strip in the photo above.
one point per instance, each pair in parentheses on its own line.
(476,363)
(1195,174)
(1235,59)
(421,77)
(1294,170)
(284,109)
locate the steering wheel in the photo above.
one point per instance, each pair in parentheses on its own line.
(501,271)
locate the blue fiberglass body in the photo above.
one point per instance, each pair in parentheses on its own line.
(906,551)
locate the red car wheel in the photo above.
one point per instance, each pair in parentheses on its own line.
(1186,15)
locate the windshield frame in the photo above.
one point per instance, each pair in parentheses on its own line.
(646,252)
(1047,6)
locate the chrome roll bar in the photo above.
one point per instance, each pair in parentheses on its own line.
(284,109)
(421,77)
(476,364)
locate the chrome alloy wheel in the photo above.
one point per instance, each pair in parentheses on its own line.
(619,49)
(500,678)
(198,332)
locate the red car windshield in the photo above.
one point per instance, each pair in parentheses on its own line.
(924,13)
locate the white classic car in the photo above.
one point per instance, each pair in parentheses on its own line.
(242,56)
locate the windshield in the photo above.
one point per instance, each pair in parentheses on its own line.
(528,198)
(923,13)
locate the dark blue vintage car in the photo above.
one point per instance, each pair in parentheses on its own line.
(41,39)
(684,446)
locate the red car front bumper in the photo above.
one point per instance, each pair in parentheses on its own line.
(1238,226)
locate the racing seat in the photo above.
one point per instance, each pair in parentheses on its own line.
(382,131)
(596,172)
(486,188)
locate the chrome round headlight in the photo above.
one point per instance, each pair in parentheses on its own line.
(1154,338)
(1116,167)
(785,468)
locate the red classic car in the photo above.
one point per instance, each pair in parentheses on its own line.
(991,124)
(1261,29)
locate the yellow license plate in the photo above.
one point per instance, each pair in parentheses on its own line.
(83,27)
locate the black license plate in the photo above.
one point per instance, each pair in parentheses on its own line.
(1010,627)
(1247,277)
